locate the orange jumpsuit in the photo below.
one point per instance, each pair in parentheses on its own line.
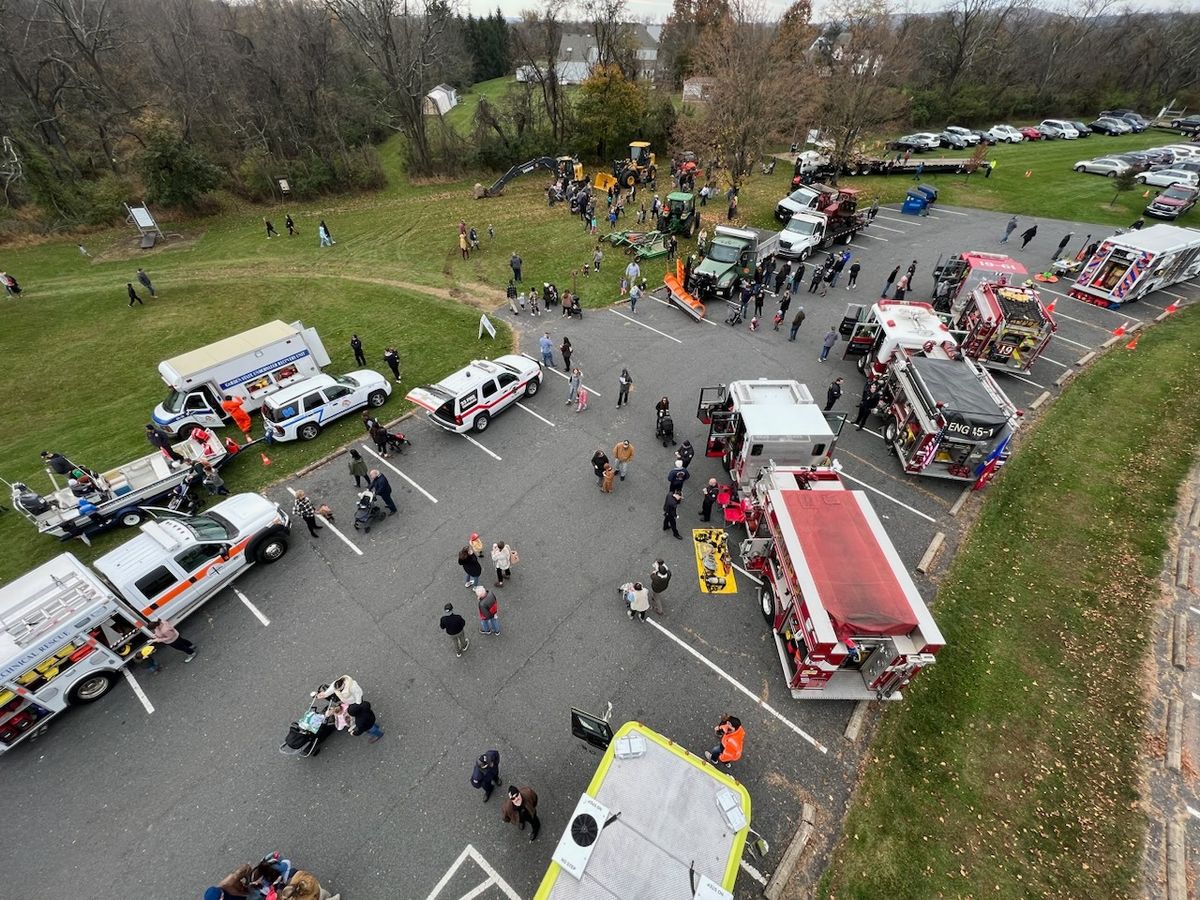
(240,417)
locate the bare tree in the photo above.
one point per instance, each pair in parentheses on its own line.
(615,44)
(537,42)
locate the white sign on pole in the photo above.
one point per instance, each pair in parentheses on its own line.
(486,325)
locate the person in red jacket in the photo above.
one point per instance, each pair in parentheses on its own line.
(732,736)
(233,406)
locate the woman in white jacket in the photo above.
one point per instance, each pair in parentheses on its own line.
(503,557)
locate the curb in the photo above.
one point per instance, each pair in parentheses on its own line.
(857,717)
(791,856)
(934,546)
(1179,642)
(1176,861)
(1174,735)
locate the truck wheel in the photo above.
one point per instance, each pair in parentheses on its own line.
(862,364)
(826,242)
(376,399)
(132,518)
(272,549)
(766,604)
(481,422)
(92,688)
(652,173)
(630,179)
(890,432)
(308,431)
(533,387)
(186,432)
(691,228)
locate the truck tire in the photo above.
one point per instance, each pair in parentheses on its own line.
(92,688)
(132,518)
(376,399)
(533,387)
(826,242)
(862,363)
(271,548)
(766,604)
(308,431)
(481,423)
(691,227)
(186,432)
(890,432)
(629,179)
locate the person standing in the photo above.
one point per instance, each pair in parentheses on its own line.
(547,347)
(635,294)
(363,721)
(912,271)
(382,489)
(391,356)
(633,272)
(503,558)
(133,295)
(356,345)
(838,265)
(573,385)
(599,461)
(686,453)
(486,774)
(671,513)
(1028,235)
(828,342)
(289,225)
(303,507)
(597,258)
(797,321)
(1009,229)
(462,246)
(271,232)
(214,482)
(156,439)
(489,611)
(1062,244)
(710,497)
(565,349)
(166,633)
(623,454)
(901,287)
(834,393)
(873,211)
(624,382)
(454,625)
(676,477)
(326,238)
(852,282)
(514,263)
(660,580)
(891,279)
(637,599)
(145,282)
(815,281)
(733,208)
(358,468)
(521,808)
(472,569)
(870,398)
(731,736)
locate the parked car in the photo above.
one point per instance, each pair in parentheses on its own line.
(1173,202)
(971,137)
(1111,126)
(1030,133)
(1104,165)
(1006,134)
(301,410)
(1081,129)
(1168,177)
(1185,151)
(470,398)
(954,141)
(985,137)
(921,141)
(1190,124)
(1057,128)
(1188,165)
(1139,162)
(1135,121)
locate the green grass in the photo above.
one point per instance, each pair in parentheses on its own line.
(462,117)
(1011,769)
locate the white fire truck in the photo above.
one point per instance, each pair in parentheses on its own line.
(879,333)
(751,423)
(66,630)
(848,622)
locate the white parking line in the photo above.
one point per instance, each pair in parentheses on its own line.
(429,496)
(1171,294)
(741,687)
(535,415)
(1062,315)
(345,540)
(1026,380)
(564,375)
(644,325)
(493,877)
(754,873)
(1053,362)
(1067,340)
(752,577)
(1192,811)
(483,448)
(885,228)
(1115,312)
(953,213)
(901,221)
(250,606)
(1193,609)
(137,690)
(872,237)
(911,509)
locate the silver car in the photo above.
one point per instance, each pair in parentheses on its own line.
(1103,165)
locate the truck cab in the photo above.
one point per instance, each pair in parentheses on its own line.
(732,253)
(805,197)
(803,233)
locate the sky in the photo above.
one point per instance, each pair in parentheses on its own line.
(658,10)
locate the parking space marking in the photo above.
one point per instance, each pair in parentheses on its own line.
(535,415)
(1192,811)
(1066,340)
(1170,294)
(766,707)
(901,221)
(1053,362)
(1062,315)
(345,540)
(1193,609)
(564,375)
(483,448)
(137,690)
(1115,312)
(753,578)
(953,213)
(885,228)
(429,496)
(493,877)
(754,873)
(871,236)
(901,503)
(1026,380)
(250,606)
(644,325)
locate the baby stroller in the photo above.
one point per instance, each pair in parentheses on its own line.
(665,429)
(734,305)
(304,736)
(574,309)
(182,499)
(549,295)
(367,512)
(396,442)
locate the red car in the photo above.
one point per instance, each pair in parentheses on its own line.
(1173,202)
(1030,133)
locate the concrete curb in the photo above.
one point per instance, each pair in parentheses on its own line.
(1064,378)
(1179,641)
(1183,567)
(1042,398)
(1176,861)
(1194,518)
(791,856)
(857,717)
(962,500)
(1174,735)
(934,546)
(1087,357)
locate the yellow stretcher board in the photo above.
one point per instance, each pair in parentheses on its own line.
(714,541)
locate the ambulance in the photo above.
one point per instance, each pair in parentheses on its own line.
(67,630)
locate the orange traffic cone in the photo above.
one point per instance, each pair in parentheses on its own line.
(1120,329)
(266,460)
(1050,306)
(1146,194)
(1132,345)
(1174,307)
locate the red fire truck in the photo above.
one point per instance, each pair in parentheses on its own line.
(1003,326)
(963,272)
(848,622)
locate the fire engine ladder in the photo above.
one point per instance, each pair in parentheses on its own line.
(51,606)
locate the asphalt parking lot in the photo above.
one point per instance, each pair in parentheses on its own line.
(119,799)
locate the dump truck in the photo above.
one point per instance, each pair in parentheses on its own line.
(732,254)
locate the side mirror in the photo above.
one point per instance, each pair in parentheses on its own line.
(226,550)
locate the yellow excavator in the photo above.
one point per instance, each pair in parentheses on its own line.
(639,167)
(563,166)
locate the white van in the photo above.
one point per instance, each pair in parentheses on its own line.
(301,410)
(472,396)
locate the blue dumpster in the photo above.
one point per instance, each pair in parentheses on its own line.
(915,204)
(929,191)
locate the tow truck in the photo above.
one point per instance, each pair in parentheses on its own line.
(847,619)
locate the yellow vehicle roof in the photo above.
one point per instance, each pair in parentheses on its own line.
(639,143)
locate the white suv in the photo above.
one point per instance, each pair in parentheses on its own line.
(1005,133)
(1058,128)
(302,409)
(471,397)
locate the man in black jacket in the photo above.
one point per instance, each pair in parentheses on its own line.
(364,721)
(486,774)
(383,490)
(671,512)
(454,624)
(834,394)
(660,579)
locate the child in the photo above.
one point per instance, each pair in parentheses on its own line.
(607,479)
(624,286)
(476,545)
(587,267)
(521,300)
(778,320)
(533,302)
(581,403)
(754,323)
(325,513)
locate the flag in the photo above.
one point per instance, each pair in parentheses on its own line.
(986,469)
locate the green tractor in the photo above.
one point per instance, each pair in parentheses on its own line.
(678,215)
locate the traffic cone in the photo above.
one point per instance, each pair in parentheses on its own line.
(1174,307)
(266,460)
(1050,306)
(1132,345)
(1120,329)
(1146,194)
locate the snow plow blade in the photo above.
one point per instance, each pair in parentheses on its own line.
(680,295)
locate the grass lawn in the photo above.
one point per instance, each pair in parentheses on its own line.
(462,117)
(1011,768)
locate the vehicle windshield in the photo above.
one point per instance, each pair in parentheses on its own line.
(1175,192)
(210,527)
(281,413)
(723,253)
(348,381)
(801,195)
(174,402)
(802,226)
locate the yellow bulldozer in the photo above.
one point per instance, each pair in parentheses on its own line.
(639,167)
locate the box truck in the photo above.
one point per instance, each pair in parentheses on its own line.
(251,365)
